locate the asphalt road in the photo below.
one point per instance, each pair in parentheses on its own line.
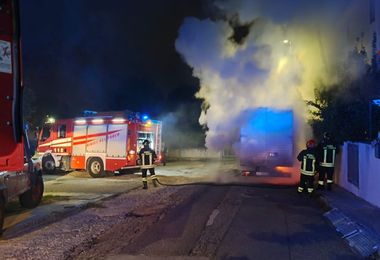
(277,224)
(239,223)
(196,222)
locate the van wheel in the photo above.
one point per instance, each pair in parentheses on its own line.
(95,168)
(32,197)
(2,212)
(48,165)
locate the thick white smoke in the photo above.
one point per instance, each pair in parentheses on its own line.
(290,46)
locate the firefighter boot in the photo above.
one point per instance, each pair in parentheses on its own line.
(310,192)
(145,184)
(321,185)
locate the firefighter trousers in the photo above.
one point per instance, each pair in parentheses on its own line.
(144,177)
(306,182)
(325,172)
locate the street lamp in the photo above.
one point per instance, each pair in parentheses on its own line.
(288,44)
(50,120)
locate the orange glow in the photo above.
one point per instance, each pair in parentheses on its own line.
(286,170)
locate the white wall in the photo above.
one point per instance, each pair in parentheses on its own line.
(369,174)
(193,154)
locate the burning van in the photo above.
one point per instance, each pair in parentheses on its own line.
(267,141)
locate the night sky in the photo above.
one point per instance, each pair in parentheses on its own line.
(107,55)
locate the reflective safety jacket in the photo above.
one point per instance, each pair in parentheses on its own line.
(308,161)
(147,158)
(326,153)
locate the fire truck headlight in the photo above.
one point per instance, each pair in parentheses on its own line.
(132,152)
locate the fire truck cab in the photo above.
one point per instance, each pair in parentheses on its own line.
(98,143)
(19,176)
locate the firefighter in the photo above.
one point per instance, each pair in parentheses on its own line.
(326,153)
(308,161)
(147,159)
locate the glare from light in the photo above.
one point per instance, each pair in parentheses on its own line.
(286,41)
(97,121)
(118,120)
(282,64)
(145,117)
(80,121)
(51,120)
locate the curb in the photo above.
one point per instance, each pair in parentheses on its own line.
(360,238)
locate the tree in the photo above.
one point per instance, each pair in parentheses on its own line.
(343,108)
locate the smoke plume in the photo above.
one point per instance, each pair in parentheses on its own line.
(266,54)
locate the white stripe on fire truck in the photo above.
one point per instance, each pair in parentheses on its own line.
(61,145)
(54,142)
(63,140)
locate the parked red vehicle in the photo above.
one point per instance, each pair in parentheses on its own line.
(19,176)
(107,141)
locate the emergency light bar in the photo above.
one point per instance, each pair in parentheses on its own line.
(97,121)
(80,121)
(118,120)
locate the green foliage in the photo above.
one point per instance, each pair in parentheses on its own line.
(343,109)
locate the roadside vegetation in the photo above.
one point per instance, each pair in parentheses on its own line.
(345,107)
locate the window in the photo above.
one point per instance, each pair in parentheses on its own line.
(62,131)
(45,132)
(143,136)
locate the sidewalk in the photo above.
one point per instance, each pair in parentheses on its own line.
(355,219)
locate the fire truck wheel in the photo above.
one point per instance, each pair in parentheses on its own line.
(2,212)
(32,197)
(95,167)
(48,165)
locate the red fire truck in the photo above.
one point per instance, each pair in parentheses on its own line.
(100,142)
(19,176)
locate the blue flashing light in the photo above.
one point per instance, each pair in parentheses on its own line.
(269,121)
(145,117)
(376,102)
(267,137)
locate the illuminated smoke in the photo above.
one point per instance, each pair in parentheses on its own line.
(288,46)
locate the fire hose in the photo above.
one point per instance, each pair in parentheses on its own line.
(238,184)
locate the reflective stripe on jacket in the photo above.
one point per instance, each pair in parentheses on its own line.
(308,161)
(147,158)
(328,156)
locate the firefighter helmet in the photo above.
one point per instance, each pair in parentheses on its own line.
(146,142)
(310,144)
